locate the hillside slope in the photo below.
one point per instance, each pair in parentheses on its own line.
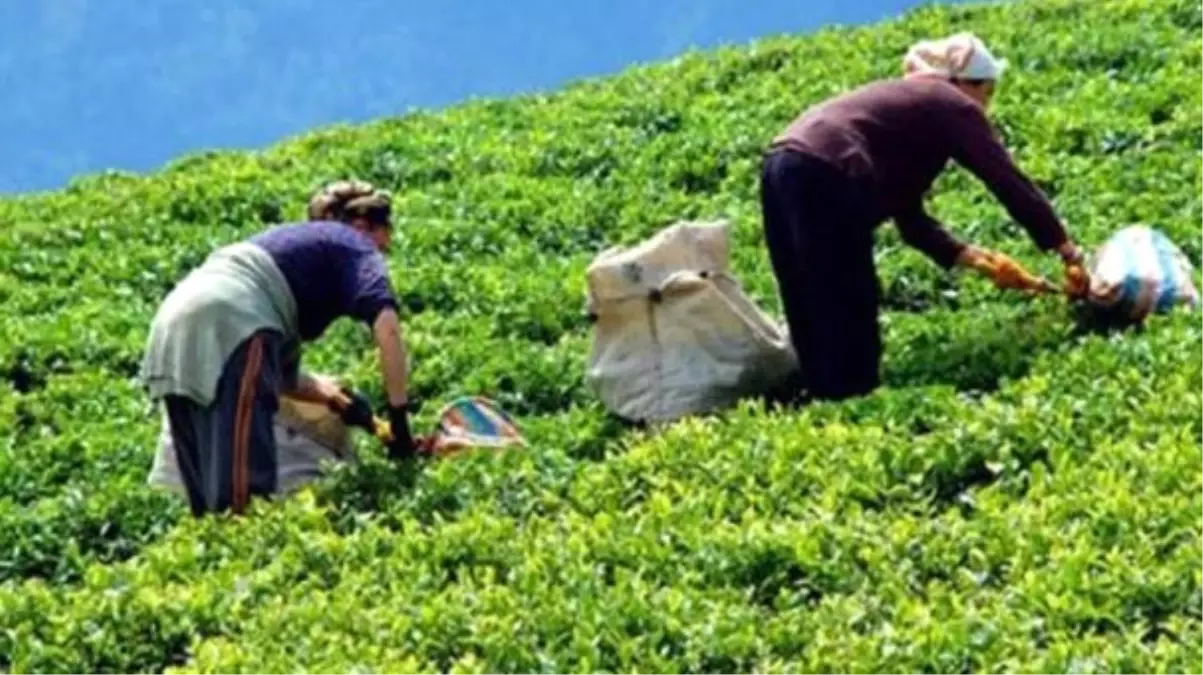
(1021,496)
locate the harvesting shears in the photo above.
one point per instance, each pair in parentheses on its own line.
(357,411)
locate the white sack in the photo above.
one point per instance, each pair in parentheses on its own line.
(307,436)
(674,333)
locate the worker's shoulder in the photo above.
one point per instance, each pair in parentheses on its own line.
(315,234)
(933,97)
(944,105)
(327,230)
(945,95)
(923,90)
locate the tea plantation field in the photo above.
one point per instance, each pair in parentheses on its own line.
(1022,496)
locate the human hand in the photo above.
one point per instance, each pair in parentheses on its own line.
(401,445)
(1005,272)
(1077,279)
(353,407)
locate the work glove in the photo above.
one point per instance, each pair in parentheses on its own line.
(354,409)
(1005,272)
(1077,279)
(402,445)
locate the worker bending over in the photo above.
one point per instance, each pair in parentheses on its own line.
(847,164)
(225,343)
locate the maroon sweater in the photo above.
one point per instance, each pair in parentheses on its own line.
(898,135)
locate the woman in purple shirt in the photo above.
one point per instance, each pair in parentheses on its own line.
(849,163)
(226,341)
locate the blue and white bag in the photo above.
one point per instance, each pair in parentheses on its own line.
(1139,271)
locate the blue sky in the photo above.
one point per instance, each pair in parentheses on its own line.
(131,84)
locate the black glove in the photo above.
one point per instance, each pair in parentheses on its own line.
(359,412)
(402,446)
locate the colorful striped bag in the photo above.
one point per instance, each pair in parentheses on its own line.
(473,422)
(1139,271)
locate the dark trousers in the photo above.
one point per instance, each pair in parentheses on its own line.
(226,451)
(819,234)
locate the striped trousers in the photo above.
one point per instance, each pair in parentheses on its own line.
(226,451)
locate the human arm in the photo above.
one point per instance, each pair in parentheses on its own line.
(371,300)
(924,233)
(921,231)
(374,303)
(351,406)
(391,346)
(976,146)
(313,390)
(389,343)
(1003,270)
(300,385)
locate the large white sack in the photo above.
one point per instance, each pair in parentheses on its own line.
(674,333)
(308,436)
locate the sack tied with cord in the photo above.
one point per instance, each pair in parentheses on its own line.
(674,334)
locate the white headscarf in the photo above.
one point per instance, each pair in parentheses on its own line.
(962,56)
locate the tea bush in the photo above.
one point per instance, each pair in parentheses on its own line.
(1021,495)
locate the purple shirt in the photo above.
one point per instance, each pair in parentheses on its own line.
(333,271)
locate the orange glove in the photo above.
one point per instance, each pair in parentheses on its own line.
(1077,280)
(1005,272)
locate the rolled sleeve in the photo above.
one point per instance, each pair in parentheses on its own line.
(371,290)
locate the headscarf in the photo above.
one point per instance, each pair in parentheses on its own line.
(350,198)
(962,56)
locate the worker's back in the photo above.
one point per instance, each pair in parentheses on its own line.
(332,270)
(897,134)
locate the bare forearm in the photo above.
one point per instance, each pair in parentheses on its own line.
(387,331)
(308,388)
